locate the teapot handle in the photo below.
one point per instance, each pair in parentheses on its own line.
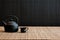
(13,17)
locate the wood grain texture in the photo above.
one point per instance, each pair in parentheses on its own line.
(43,33)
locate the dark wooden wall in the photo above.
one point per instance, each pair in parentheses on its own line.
(32,12)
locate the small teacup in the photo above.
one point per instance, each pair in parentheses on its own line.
(23,29)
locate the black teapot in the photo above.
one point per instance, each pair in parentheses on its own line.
(10,24)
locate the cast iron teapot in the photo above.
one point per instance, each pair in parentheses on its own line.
(10,23)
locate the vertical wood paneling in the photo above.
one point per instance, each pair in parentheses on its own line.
(32,12)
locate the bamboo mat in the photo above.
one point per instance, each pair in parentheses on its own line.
(37,33)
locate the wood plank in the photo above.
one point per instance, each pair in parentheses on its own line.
(46,33)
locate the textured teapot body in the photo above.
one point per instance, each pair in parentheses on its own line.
(10,23)
(11,26)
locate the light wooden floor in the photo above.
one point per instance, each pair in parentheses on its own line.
(43,33)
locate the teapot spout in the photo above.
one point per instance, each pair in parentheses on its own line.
(4,23)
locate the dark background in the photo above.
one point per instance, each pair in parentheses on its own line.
(32,12)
